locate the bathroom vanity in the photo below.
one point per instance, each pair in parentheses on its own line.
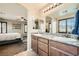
(48,45)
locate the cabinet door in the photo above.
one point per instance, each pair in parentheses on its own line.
(42,53)
(63,54)
(57,52)
(43,46)
(53,52)
(34,44)
(71,50)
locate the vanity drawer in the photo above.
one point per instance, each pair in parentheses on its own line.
(43,46)
(42,53)
(43,40)
(67,48)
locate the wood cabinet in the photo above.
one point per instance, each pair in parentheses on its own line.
(53,52)
(42,53)
(34,43)
(57,52)
(46,47)
(43,47)
(43,40)
(40,46)
(64,47)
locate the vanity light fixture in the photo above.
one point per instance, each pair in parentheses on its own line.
(52,7)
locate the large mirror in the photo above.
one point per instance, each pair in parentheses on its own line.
(48,24)
(36,24)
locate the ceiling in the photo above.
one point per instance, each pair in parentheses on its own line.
(12,11)
(34,6)
(17,10)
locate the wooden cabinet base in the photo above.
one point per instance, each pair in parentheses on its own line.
(46,47)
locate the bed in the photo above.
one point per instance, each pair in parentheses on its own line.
(8,38)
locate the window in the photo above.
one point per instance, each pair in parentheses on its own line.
(62,26)
(3,27)
(66,25)
(70,25)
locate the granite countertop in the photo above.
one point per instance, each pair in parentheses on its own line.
(70,41)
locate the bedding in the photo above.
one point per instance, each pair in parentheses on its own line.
(9,36)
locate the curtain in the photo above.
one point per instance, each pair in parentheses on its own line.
(76,28)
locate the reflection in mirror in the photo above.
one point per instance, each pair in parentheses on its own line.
(36,24)
(48,24)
